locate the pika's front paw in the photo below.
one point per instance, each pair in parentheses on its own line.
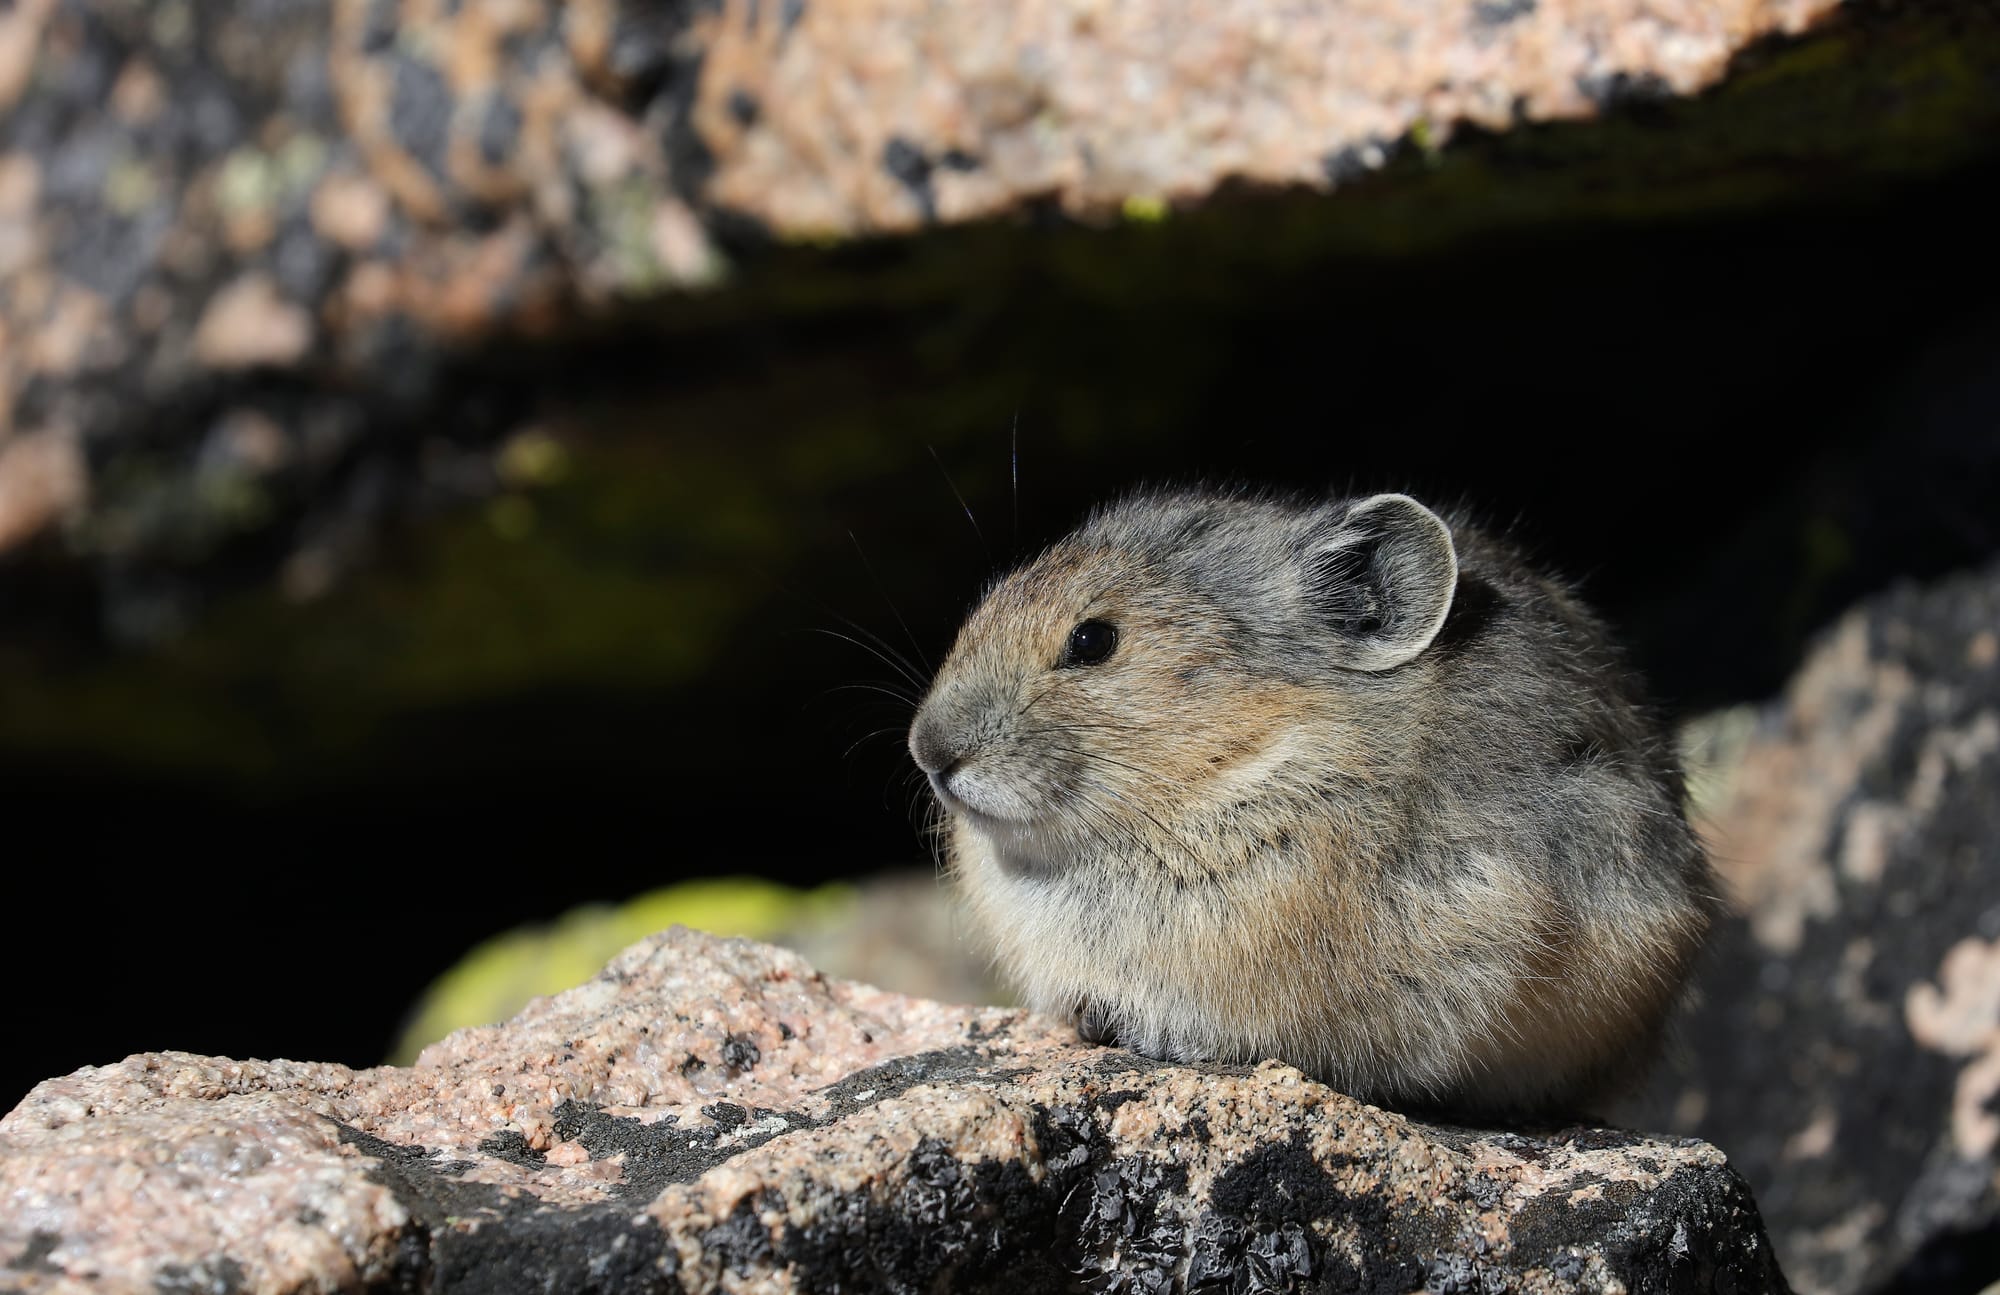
(1094,1024)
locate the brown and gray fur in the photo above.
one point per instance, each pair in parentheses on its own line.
(1357,788)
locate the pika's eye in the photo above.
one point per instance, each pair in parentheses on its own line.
(1089,643)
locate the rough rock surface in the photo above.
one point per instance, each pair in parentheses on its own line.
(255,231)
(949,112)
(712,1115)
(1847,1050)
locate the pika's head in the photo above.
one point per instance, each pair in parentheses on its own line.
(1137,676)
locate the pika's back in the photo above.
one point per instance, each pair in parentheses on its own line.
(1347,783)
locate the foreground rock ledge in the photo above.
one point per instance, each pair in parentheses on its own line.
(712,1114)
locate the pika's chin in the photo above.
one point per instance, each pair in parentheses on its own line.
(1026,850)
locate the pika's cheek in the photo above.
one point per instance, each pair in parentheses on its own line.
(1225,738)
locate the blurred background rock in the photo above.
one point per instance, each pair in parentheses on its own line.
(459,493)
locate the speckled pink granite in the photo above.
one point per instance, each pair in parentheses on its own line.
(714,1114)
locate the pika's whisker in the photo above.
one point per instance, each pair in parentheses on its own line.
(1014,463)
(1130,804)
(953,487)
(895,611)
(885,690)
(1081,728)
(895,661)
(1175,784)
(868,737)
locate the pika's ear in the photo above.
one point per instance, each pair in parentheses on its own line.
(1383,575)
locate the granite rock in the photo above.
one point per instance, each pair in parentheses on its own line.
(305,210)
(713,1115)
(851,115)
(1845,1050)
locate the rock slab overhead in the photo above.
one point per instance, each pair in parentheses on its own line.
(712,1114)
(302,207)
(846,116)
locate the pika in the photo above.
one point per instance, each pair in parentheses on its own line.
(1344,783)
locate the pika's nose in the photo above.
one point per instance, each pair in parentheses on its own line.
(929,747)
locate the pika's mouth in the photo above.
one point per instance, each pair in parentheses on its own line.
(1024,847)
(1021,825)
(967,790)
(993,827)
(1016,832)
